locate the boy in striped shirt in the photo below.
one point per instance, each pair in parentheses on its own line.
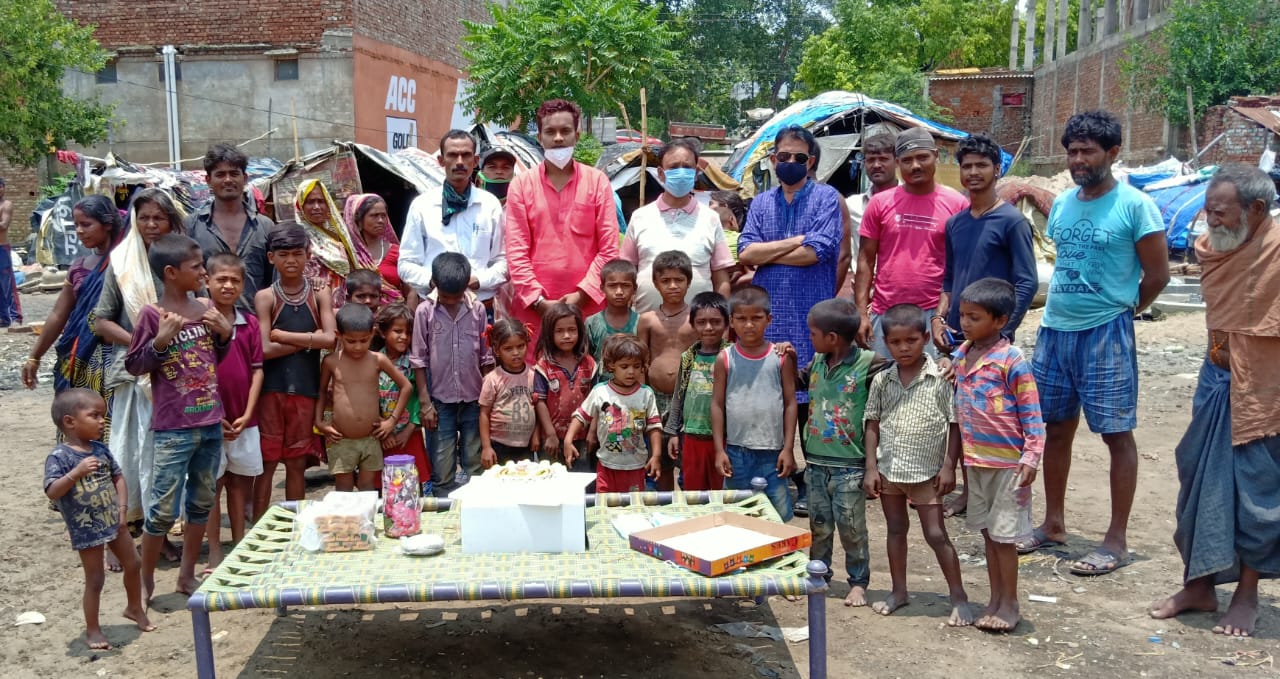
(1002,434)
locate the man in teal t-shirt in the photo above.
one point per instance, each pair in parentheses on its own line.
(1111,263)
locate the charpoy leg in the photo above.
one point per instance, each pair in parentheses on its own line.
(204,643)
(817,585)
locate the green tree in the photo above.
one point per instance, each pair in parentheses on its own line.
(594,52)
(38,44)
(1218,48)
(874,44)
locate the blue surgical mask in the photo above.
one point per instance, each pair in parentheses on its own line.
(680,181)
(791,173)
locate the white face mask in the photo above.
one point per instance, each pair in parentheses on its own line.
(559,157)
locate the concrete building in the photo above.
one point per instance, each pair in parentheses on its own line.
(386,73)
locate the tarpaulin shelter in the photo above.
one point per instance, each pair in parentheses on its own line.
(840,120)
(54,241)
(348,168)
(622,167)
(526,149)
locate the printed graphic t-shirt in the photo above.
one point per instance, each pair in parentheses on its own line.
(621,420)
(90,509)
(509,397)
(184,379)
(1096,274)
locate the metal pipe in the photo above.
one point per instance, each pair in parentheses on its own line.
(171,106)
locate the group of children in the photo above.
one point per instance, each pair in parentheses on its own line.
(627,395)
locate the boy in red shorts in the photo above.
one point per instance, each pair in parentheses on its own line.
(297,323)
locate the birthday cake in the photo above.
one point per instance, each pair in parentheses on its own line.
(526,470)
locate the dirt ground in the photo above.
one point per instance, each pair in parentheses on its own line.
(1097,628)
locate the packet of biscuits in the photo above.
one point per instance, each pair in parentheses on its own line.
(341,522)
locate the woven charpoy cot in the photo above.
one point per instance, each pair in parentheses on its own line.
(268,569)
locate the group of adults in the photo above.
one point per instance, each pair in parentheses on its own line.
(541,236)
(921,243)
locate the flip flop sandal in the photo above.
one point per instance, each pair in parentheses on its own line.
(1037,542)
(1098,562)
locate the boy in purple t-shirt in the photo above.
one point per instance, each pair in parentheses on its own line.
(178,344)
(239,385)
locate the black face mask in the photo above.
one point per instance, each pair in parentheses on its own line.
(498,189)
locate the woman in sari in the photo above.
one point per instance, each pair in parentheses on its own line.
(374,241)
(82,359)
(332,253)
(129,286)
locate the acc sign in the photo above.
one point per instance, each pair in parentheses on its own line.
(402,133)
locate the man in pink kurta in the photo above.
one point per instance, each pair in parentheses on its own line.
(561,225)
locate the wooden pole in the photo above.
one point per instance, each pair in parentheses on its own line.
(1191,124)
(644,142)
(294,114)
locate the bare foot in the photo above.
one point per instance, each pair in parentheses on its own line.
(140,618)
(97,640)
(956,505)
(961,615)
(1004,619)
(1240,618)
(148,588)
(187,585)
(891,603)
(1186,599)
(170,552)
(857,596)
(113,564)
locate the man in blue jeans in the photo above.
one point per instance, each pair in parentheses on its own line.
(1112,263)
(10,307)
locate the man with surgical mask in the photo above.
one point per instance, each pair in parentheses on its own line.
(792,237)
(561,225)
(677,221)
(497,167)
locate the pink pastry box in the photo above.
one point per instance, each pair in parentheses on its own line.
(720,543)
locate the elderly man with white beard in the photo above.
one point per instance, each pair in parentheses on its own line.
(1228,512)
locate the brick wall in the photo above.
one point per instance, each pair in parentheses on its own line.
(297,23)
(22,185)
(1243,139)
(1091,79)
(996,104)
(432,29)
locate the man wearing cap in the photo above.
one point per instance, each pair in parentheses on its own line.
(458,218)
(497,167)
(10,307)
(902,244)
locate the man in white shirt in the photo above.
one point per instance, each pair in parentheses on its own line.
(879,165)
(459,218)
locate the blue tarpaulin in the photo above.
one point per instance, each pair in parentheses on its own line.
(811,113)
(1179,206)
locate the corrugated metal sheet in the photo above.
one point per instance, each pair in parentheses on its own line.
(1266,117)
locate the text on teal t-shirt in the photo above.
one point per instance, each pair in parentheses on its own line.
(1097,271)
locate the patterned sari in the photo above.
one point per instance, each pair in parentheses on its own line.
(332,252)
(82,357)
(365,259)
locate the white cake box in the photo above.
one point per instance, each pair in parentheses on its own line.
(505,516)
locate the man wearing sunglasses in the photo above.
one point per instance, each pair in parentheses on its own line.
(902,244)
(792,237)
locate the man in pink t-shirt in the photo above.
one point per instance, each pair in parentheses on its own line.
(902,244)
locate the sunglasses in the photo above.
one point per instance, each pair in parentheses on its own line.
(788,157)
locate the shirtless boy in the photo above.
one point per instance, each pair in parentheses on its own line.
(666,332)
(357,427)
